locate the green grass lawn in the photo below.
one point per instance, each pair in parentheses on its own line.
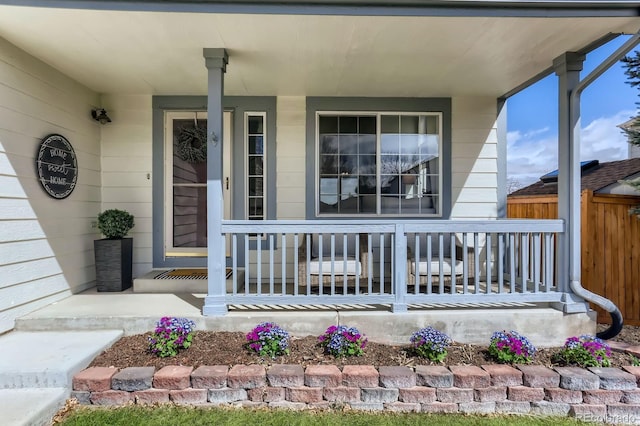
(175,415)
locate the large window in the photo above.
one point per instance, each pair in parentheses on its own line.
(385,164)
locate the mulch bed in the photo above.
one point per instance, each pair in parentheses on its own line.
(228,348)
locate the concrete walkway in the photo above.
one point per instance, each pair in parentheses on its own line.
(37,368)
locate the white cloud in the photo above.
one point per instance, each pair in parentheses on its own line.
(535,153)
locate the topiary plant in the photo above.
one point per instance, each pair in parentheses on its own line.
(115,224)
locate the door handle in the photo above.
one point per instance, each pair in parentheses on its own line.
(227,182)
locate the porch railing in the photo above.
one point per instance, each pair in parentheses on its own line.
(395,263)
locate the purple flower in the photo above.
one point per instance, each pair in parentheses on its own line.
(586,351)
(511,347)
(170,335)
(268,339)
(342,341)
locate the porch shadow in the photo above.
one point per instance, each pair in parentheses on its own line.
(190,298)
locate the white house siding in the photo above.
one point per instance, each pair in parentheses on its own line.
(126,169)
(474,158)
(46,245)
(620,188)
(290,154)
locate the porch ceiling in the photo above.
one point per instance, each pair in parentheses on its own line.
(161,53)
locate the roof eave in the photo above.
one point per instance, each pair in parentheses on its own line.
(485,8)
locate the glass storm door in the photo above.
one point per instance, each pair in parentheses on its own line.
(186,182)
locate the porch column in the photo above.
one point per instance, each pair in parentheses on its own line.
(567,67)
(216,60)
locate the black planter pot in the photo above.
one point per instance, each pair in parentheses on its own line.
(114,263)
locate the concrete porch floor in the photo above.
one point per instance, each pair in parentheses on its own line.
(136,313)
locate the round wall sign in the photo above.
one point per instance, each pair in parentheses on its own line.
(57,166)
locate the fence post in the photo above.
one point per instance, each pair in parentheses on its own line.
(400,270)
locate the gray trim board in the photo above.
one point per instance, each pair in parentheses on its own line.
(501,125)
(443,8)
(315,104)
(239,105)
(159,105)
(550,70)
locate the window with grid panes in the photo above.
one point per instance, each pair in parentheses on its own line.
(379,164)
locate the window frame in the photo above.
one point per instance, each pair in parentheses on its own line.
(247,155)
(375,105)
(379,154)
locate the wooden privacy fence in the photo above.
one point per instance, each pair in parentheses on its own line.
(610,245)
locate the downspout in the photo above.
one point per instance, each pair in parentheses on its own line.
(574,102)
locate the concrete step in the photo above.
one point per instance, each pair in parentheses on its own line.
(91,311)
(49,359)
(31,407)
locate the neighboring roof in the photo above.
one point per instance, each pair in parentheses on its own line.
(552,177)
(594,177)
(630,124)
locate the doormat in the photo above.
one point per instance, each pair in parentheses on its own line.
(190,274)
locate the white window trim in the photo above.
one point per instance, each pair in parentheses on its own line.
(377,114)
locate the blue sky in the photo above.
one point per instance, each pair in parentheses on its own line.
(532,120)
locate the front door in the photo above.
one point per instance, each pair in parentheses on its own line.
(186,181)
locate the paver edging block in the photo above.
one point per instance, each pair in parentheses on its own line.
(285,375)
(133,379)
(546,408)
(265,394)
(379,395)
(362,376)
(83,397)
(576,378)
(490,394)
(503,375)
(396,377)
(94,379)
(470,376)
(247,377)
(434,376)
(614,379)
(209,377)
(151,396)
(417,394)
(173,377)
(323,376)
(539,376)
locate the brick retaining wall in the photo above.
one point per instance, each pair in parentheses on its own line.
(594,394)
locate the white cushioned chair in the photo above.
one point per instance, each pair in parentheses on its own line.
(448,265)
(344,260)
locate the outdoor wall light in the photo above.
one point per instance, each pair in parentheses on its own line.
(100,115)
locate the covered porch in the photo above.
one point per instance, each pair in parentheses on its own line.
(301,219)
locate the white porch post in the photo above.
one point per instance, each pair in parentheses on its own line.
(567,67)
(214,304)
